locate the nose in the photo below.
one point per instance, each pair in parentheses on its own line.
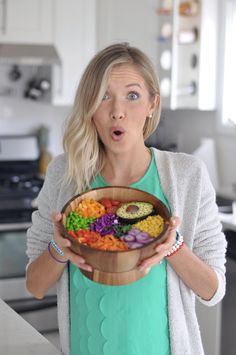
(117,116)
(117,110)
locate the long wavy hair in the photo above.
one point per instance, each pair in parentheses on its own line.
(85,152)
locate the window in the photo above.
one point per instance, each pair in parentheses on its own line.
(229,66)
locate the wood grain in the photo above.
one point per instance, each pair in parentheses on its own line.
(116,267)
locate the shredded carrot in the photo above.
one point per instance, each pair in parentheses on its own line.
(95,240)
(90,208)
(109,242)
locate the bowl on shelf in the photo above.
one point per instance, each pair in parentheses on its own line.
(116,267)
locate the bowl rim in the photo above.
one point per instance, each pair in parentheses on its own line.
(115,251)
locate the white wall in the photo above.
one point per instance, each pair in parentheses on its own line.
(23,117)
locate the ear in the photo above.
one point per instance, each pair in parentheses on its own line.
(155,101)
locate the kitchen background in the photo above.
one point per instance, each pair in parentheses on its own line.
(43,53)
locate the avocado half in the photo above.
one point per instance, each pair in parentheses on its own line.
(132,212)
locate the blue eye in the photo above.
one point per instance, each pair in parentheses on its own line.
(105,97)
(133,95)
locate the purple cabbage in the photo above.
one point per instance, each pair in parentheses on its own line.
(104,224)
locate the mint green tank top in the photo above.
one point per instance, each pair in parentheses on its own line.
(121,320)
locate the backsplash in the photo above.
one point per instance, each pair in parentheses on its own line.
(26,82)
(21,117)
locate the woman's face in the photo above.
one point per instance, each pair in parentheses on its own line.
(121,116)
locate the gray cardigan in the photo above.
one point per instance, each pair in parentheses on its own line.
(187,187)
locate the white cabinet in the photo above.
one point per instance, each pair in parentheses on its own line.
(133,21)
(26,21)
(69,25)
(75,40)
(187,47)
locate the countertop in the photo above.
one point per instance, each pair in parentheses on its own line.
(19,337)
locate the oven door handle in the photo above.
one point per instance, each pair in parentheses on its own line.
(32,304)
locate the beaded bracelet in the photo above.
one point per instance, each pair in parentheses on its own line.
(56,248)
(49,250)
(177,246)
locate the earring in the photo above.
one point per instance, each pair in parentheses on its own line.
(150,116)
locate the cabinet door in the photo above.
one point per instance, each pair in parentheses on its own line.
(188,54)
(26,21)
(132,21)
(75,34)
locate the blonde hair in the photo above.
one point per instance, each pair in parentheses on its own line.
(85,152)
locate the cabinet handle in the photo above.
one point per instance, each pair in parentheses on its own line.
(4,16)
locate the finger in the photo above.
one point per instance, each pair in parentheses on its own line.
(171,235)
(57,222)
(146,271)
(75,258)
(86,267)
(167,245)
(56,217)
(58,231)
(154,260)
(62,242)
(174,223)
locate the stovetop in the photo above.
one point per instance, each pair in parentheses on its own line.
(19,186)
(18,193)
(20,182)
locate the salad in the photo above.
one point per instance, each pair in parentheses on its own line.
(109,224)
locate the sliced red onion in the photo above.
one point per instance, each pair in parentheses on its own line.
(133,231)
(129,238)
(135,245)
(147,241)
(129,244)
(142,236)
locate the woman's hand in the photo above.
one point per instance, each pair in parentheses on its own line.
(163,248)
(65,244)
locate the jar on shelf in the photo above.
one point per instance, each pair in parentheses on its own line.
(186,90)
(166,59)
(188,36)
(166,7)
(166,32)
(188,8)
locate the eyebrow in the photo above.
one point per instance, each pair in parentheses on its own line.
(133,84)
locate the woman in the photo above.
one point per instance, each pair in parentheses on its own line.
(117,106)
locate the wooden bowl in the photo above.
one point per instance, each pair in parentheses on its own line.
(115,267)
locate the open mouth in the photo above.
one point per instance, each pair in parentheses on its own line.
(116,133)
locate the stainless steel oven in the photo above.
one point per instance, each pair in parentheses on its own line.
(19,187)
